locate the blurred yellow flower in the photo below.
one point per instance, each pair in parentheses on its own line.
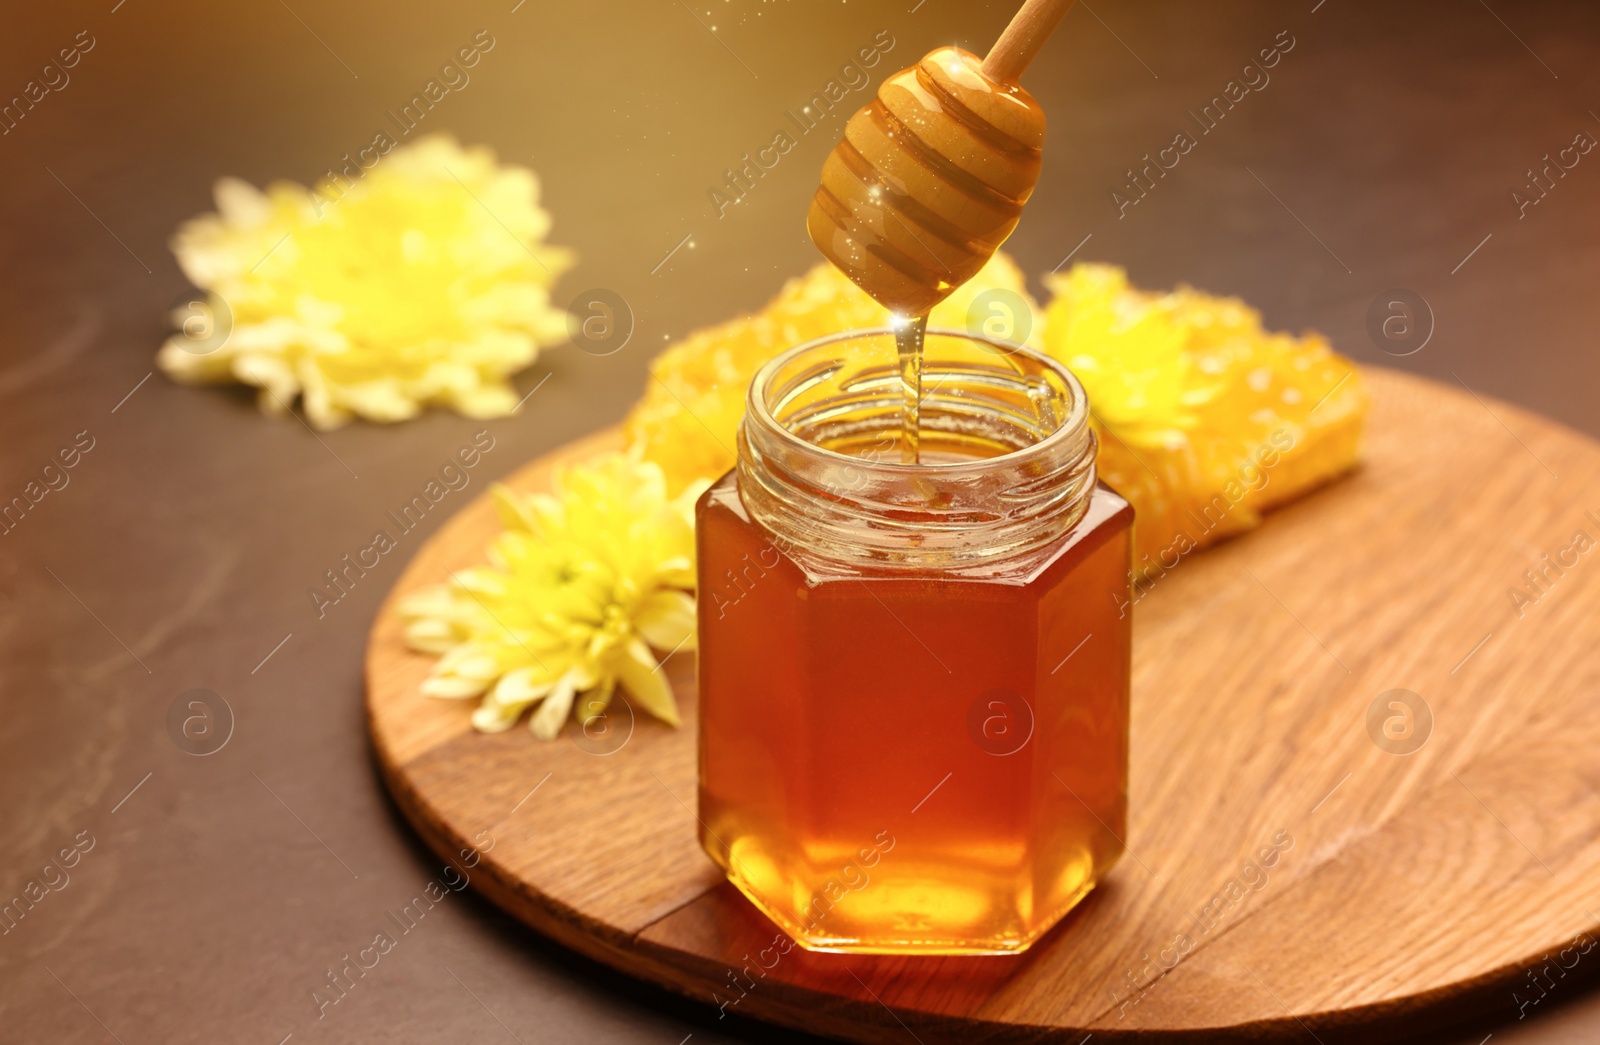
(425,281)
(580,586)
(1128,350)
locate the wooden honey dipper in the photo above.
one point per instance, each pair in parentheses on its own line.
(931,176)
(929,180)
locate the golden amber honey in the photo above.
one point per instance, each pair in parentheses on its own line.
(913,694)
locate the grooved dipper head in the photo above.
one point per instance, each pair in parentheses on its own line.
(929,180)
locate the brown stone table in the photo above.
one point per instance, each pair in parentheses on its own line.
(211,894)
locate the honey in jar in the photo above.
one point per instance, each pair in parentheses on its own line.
(913,676)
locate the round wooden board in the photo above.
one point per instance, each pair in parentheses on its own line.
(1417,887)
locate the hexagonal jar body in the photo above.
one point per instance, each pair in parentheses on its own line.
(914,676)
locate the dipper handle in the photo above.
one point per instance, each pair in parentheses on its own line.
(1022,39)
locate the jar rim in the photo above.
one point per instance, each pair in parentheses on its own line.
(1073,423)
(949,516)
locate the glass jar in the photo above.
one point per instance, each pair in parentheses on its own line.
(914,677)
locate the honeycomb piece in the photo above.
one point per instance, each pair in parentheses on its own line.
(1206,419)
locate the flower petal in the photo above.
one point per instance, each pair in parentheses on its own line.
(666,620)
(637,670)
(431,635)
(492,718)
(452,688)
(521,687)
(552,714)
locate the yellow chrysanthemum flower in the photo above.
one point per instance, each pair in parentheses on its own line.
(580,587)
(425,281)
(1128,350)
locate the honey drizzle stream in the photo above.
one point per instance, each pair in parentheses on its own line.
(908,335)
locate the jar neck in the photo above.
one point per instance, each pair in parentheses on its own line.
(1007,463)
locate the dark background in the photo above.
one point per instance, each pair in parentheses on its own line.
(1383,151)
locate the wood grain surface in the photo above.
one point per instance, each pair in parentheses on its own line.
(1411,886)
